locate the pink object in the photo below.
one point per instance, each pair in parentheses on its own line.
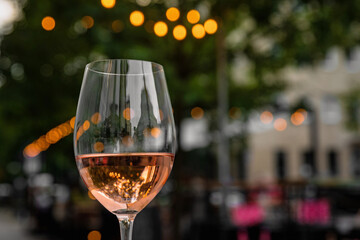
(242,235)
(265,235)
(314,211)
(248,215)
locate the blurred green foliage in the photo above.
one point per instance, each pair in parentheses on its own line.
(43,69)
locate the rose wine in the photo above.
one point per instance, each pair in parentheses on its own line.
(125,183)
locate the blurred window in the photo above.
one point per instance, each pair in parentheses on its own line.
(356,160)
(308,168)
(332,157)
(330,110)
(280,165)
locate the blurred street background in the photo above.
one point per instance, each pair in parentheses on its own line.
(266,100)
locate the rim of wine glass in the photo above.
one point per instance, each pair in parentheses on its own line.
(159,67)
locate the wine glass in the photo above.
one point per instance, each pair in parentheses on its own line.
(124,135)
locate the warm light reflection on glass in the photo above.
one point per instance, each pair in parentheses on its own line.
(297,118)
(87,22)
(91,196)
(108,3)
(127,141)
(155,132)
(98,146)
(173,14)
(160,29)
(137,18)
(198,31)
(179,32)
(86,125)
(161,115)
(193,16)
(210,26)
(128,113)
(48,23)
(235,113)
(197,113)
(96,118)
(280,124)
(94,235)
(117,26)
(266,117)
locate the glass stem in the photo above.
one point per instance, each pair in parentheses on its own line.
(126,226)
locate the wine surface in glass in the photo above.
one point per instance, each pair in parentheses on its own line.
(125,183)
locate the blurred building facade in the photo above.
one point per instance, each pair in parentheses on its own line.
(321,147)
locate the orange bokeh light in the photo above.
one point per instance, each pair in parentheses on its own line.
(266,117)
(87,22)
(280,124)
(48,23)
(297,118)
(210,26)
(53,136)
(155,132)
(94,235)
(128,113)
(172,14)
(72,122)
(193,16)
(98,146)
(197,113)
(137,18)
(179,32)
(86,125)
(95,118)
(117,26)
(108,3)
(160,29)
(198,31)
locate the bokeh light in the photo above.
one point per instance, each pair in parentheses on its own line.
(160,29)
(87,22)
(128,113)
(210,26)
(197,113)
(193,16)
(108,3)
(96,118)
(173,14)
(297,118)
(266,117)
(179,32)
(94,235)
(198,31)
(234,113)
(117,26)
(98,146)
(48,23)
(86,125)
(280,124)
(302,111)
(155,132)
(137,18)
(72,122)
